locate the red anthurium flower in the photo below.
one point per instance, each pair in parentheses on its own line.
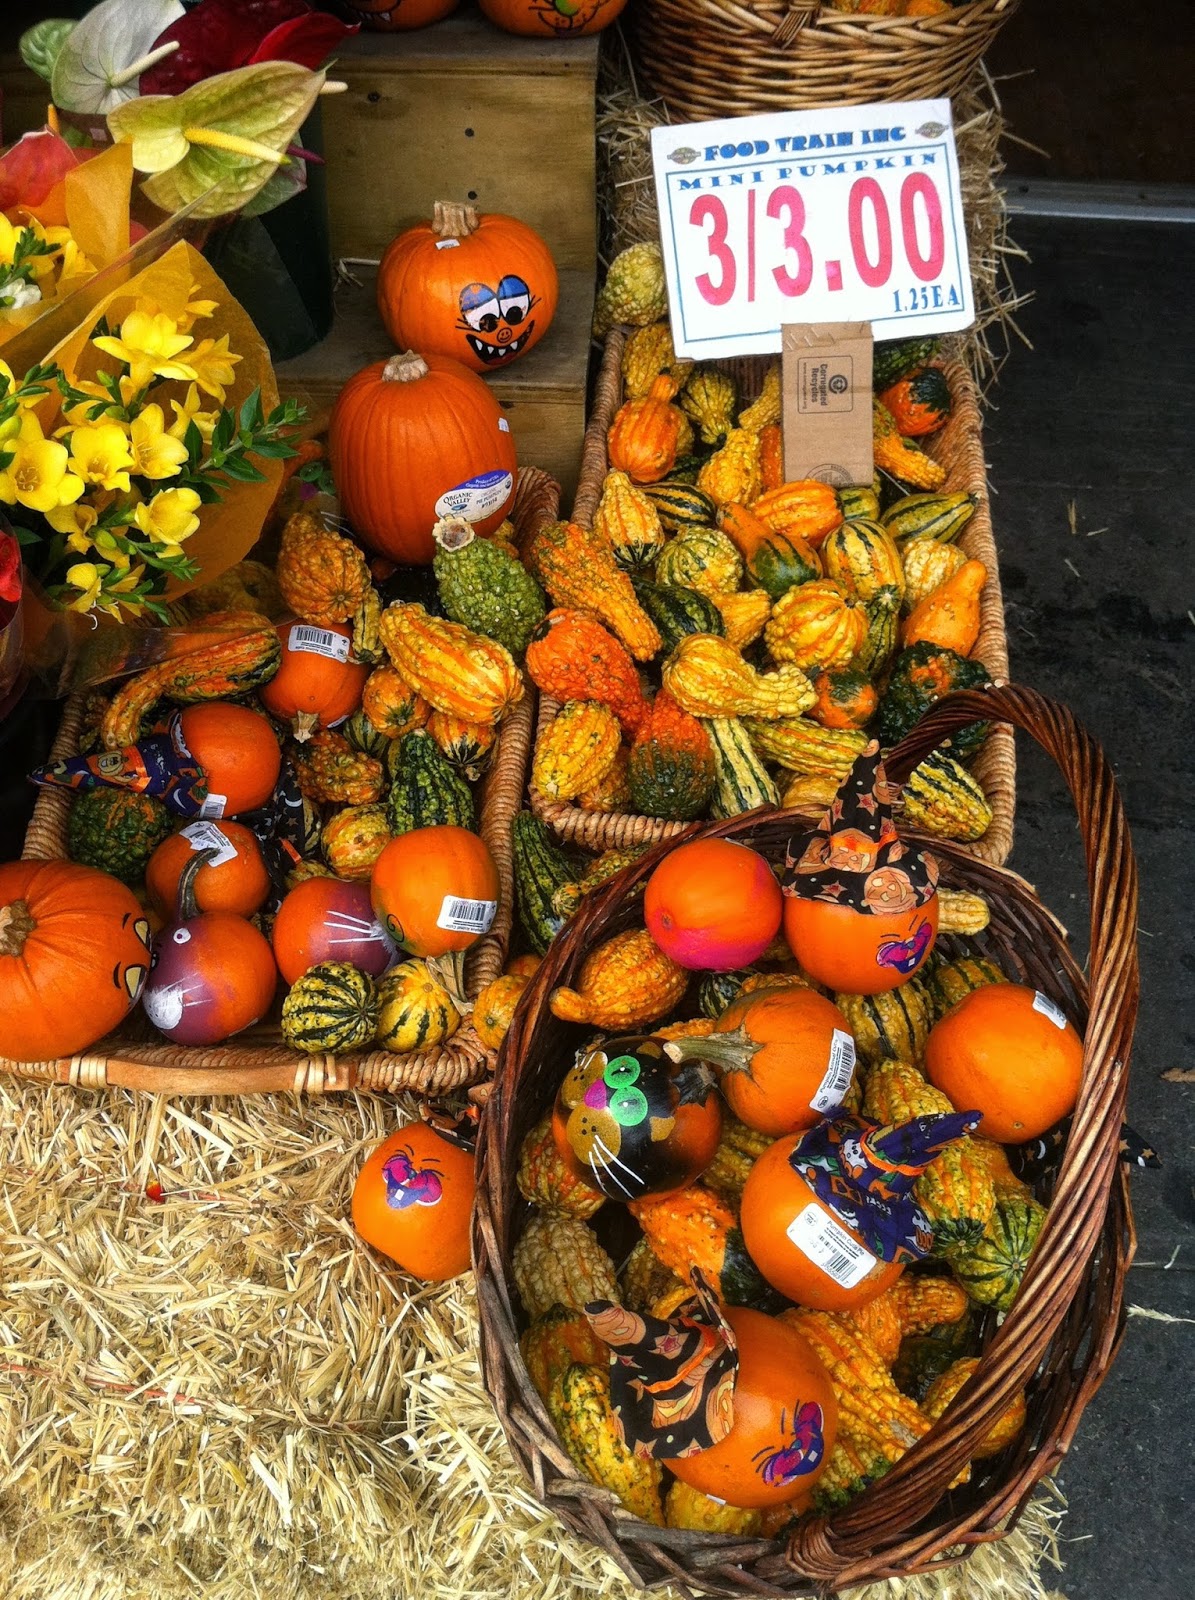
(33,166)
(10,575)
(218,35)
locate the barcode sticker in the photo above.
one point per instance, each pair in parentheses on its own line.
(214,806)
(830,1247)
(1043,1003)
(319,641)
(448,244)
(206,836)
(832,1090)
(466,916)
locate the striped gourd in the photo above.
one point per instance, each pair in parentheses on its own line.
(332,1008)
(800,745)
(629,522)
(743,782)
(942,797)
(883,633)
(957,1195)
(703,559)
(863,558)
(466,746)
(953,981)
(677,610)
(681,505)
(425,792)
(860,501)
(708,400)
(931,516)
(991,1271)
(896,358)
(818,625)
(895,1023)
(364,737)
(415,1011)
(454,669)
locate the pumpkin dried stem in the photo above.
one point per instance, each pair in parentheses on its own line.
(186,904)
(731,1052)
(406,368)
(453,219)
(449,972)
(453,533)
(17,922)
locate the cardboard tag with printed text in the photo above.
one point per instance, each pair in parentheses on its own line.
(827,402)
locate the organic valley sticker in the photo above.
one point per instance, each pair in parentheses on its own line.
(833,1087)
(830,1247)
(476,498)
(1043,1003)
(466,916)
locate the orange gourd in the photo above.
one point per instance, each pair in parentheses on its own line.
(240,883)
(316,685)
(846,698)
(949,616)
(431,877)
(771,456)
(480,289)
(389,16)
(74,956)
(238,752)
(414,439)
(785,1419)
(774,1198)
(645,435)
(413,1199)
(1008,1051)
(552,19)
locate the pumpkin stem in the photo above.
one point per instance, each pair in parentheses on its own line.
(406,368)
(731,1052)
(186,906)
(449,972)
(303,725)
(452,219)
(17,922)
(453,533)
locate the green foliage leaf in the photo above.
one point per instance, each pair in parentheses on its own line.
(41,43)
(91,71)
(266,103)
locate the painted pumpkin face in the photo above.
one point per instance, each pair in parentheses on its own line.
(632,1122)
(559,19)
(388,16)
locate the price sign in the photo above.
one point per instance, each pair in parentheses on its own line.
(848,215)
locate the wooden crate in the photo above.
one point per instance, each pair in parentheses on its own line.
(543,393)
(462,111)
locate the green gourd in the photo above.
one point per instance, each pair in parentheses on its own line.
(920,676)
(116,830)
(425,792)
(681,506)
(486,588)
(743,782)
(542,870)
(677,611)
(703,559)
(896,358)
(672,768)
(331,1009)
(991,1271)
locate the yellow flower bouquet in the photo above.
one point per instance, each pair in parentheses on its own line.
(143,453)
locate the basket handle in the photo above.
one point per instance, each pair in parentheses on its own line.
(827,1549)
(798,14)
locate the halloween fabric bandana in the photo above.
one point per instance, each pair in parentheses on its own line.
(865,1173)
(855,857)
(158,765)
(671,1380)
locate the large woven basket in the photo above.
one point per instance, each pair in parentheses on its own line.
(1058,1340)
(730,58)
(257,1061)
(959,447)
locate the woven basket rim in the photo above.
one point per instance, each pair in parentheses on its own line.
(255,1061)
(962,440)
(1064,1329)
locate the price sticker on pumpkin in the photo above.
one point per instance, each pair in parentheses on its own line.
(851,214)
(830,1247)
(207,836)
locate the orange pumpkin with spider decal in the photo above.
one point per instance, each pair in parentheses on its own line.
(413,1199)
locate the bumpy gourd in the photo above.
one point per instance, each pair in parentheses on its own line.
(739,1147)
(323,576)
(353,839)
(804,508)
(116,830)
(899,456)
(846,698)
(942,1392)
(800,745)
(928,565)
(709,678)
(694,1228)
(466,746)
(557,1340)
(895,1091)
(862,558)
(366,626)
(708,400)
(960,911)
(671,770)
(425,791)
(949,616)
(635,290)
(810,793)
(486,587)
(494,1008)
(579,1404)
(452,668)
(575,750)
(329,770)
(577,568)
(677,610)
(332,1008)
(647,435)
(701,559)
(958,1196)
(942,797)
(764,412)
(544,1178)
(391,705)
(952,981)
(816,625)
(733,472)
(649,354)
(559,1262)
(744,615)
(895,1023)
(628,522)
(771,456)
(685,1507)
(920,676)
(895,358)
(613,793)
(627,982)
(920,403)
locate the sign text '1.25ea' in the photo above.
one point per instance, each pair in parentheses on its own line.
(851,214)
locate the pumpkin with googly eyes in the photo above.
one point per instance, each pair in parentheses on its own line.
(632,1122)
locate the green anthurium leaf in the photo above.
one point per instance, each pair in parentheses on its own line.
(41,43)
(100,59)
(182,139)
(287,182)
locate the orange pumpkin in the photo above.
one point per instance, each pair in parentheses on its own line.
(74,956)
(481,289)
(414,439)
(238,752)
(776,1214)
(239,882)
(712,904)
(326,919)
(1008,1051)
(435,890)
(391,16)
(316,685)
(785,1420)
(552,19)
(413,1199)
(860,952)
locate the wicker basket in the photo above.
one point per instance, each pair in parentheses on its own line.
(1058,1340)
(959,446)
(256,1061)
(730,58)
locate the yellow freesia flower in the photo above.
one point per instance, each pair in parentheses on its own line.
(101,454)
(106,545)
(169,518)
(116,594)
(88,578)
(76,520)
(188,411)
(37,475)
(212,362)
(156,454)
(148,345)
(8,241)
(194,309)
